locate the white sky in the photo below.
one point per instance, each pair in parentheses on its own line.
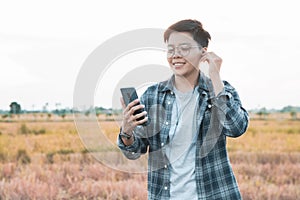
(43,45)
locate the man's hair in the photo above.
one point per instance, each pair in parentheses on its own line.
(193,27)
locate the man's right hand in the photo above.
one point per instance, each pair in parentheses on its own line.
(129,120)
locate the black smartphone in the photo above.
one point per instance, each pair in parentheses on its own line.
(129,94)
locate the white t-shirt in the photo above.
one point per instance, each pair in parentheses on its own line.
(181,150)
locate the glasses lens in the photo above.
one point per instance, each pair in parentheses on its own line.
(184,50)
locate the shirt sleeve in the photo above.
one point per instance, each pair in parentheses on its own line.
(233,117)
(131,151)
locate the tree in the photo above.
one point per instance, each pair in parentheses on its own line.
(15,108)
(293,114)
(263,112)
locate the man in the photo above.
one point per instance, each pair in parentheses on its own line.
(188,119)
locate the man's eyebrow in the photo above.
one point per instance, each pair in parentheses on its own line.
(185,43)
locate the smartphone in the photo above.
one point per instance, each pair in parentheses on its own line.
(129,94)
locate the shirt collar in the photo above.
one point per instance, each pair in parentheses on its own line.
(204,83)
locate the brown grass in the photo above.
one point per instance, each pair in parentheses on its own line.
(266,162)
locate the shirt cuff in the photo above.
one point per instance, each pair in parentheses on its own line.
(131,148)
(222,100)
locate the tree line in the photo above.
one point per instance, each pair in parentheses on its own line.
(15,108)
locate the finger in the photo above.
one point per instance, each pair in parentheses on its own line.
(135,108)
(214,56)
(142,121)
(208,56)
(133,103)
(137,116)
(130,114)
(202,54)
(203,58)
(130,105)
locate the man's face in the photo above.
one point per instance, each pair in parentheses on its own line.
(183,54)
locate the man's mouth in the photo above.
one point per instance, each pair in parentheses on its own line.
(178,64)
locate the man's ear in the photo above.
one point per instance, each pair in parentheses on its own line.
(204,49)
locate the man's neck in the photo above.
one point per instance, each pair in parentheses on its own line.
(185,84)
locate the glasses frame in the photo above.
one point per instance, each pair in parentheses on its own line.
(179,52)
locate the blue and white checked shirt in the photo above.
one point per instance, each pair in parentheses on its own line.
(217,117)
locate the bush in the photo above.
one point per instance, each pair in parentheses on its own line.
(24,129)
(49,157)
(39,132)
(23,157)
(5,116)
(3,157)
(65,151)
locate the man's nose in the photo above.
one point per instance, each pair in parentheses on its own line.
(176,53)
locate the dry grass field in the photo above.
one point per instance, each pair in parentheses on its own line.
(46,159)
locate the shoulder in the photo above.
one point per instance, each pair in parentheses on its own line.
(230,90)
(228,86)
(150,92)
(155,91)
(158,87)
(151,89)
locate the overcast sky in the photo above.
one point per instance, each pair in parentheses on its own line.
(43,46)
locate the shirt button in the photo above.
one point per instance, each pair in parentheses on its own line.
(169,102)
(209,105)
(166,166)
(162,144)
(132,153)
(166,188)
(167,123)
(172,92)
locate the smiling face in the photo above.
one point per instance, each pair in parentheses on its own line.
(183,54)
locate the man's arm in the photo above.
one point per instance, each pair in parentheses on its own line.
(232,116)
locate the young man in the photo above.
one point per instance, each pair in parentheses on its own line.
(188,119)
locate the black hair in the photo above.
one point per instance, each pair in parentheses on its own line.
(193,27)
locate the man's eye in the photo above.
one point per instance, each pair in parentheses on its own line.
(184,48)
(171,50)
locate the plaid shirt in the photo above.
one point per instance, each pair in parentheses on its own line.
(217,117)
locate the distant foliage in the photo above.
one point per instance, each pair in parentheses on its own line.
(263,113)
(288,109)
(293,115)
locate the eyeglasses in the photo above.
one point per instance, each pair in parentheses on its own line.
(182,49)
